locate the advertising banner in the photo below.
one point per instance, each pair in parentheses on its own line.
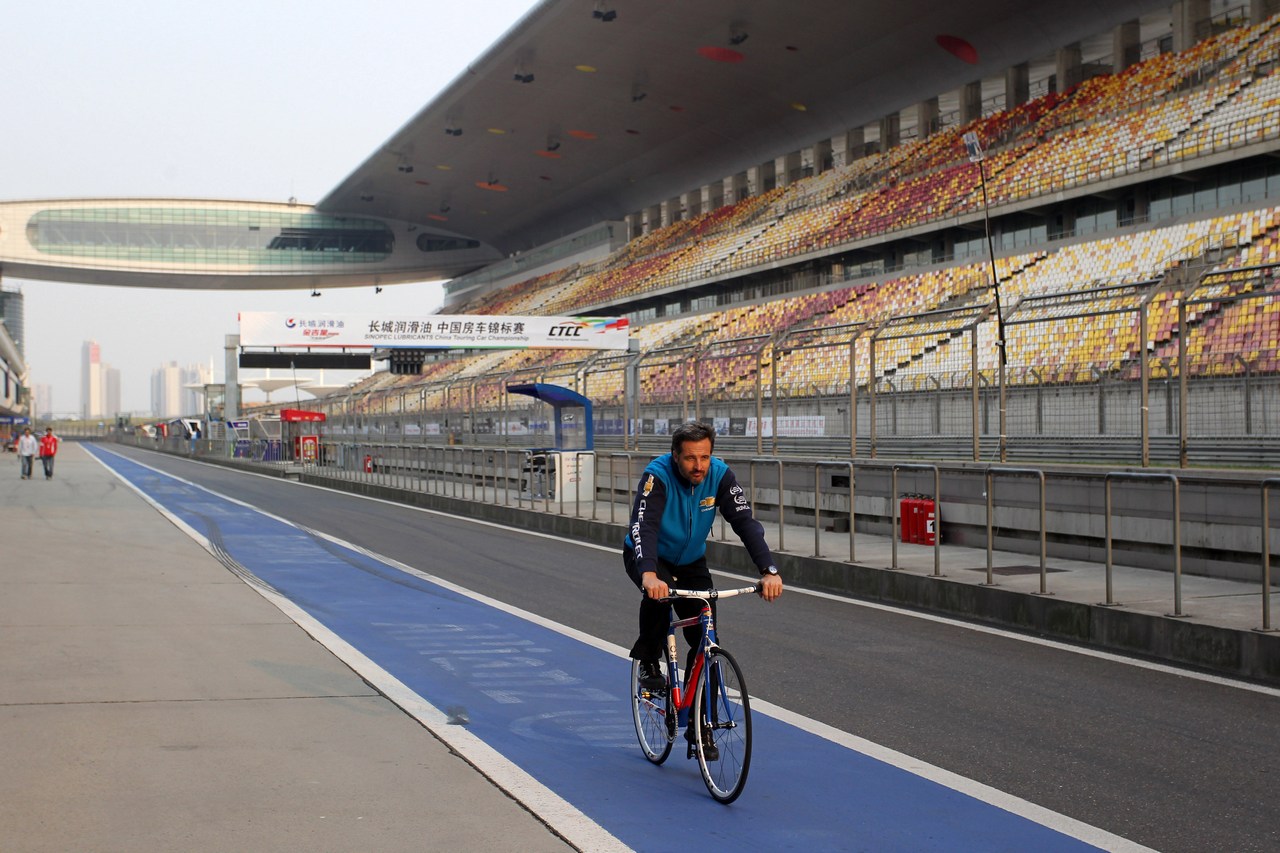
(433,331)
(802,426)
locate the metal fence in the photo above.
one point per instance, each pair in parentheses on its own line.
(847,499)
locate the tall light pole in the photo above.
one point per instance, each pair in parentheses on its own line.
(976,155)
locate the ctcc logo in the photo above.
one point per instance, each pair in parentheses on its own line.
(566,330)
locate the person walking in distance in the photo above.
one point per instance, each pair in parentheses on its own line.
(27,448)
(666,545)
(48,450)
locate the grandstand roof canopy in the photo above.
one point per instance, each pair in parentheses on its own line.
(587,110)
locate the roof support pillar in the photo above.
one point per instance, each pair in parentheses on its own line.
(840,154)
(712,196)
(231,400)
(1260,10)
(927,118)
(1186,14)
(692,204)
(1126,45)
(890,131)
(970,101)
(1069,72)
(1017,85)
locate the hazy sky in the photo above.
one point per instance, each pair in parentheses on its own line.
(241,100)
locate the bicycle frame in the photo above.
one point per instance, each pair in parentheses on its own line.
(682,699)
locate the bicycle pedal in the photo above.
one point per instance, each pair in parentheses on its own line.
(710,750)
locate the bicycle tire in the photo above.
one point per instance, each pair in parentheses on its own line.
(654,717)
(729,721)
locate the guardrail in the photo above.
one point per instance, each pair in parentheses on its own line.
(1177,533)
(990,494)
(782,524)
(449,470)
(817,505)
(1266,487)
(937,503)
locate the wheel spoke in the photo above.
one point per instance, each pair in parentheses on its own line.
(727,725)
(652,713)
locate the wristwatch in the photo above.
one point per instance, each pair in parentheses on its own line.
(771,570)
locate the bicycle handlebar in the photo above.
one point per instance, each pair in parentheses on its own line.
(708,594)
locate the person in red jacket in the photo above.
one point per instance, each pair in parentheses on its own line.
(48,450)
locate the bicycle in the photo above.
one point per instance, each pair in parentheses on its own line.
(717,706)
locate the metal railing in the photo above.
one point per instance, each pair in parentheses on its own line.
(1176,518)
(1266,487)
(990,477)
(937,503)
(480,474)
(817,505)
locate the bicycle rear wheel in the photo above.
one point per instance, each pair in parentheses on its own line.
(725,722)
(654,717)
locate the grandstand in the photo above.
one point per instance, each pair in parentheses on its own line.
(1135,218)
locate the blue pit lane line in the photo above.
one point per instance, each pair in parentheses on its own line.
(558,708)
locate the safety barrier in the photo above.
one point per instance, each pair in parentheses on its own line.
(480,474)
(817,505)
(1266,487)
(990,495)
(1177,533)
(782,523)
(937,502)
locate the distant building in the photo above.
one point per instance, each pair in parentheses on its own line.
(91,390)
(41,401)
(171,395)
(110,391)
(99,384)
(13,315)
(13,372)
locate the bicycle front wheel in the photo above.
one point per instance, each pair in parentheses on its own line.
(722,713)
(654,716)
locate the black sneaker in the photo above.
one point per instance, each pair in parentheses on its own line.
(651,676)
(709,749)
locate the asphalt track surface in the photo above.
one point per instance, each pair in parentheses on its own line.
(1150,755)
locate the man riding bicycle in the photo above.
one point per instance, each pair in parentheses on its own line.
(671,516)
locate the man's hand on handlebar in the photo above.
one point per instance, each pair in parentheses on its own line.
(654,586)
(770,587)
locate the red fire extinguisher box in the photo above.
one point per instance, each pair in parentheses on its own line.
(918,520)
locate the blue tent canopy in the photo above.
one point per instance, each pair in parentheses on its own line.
(563,400)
